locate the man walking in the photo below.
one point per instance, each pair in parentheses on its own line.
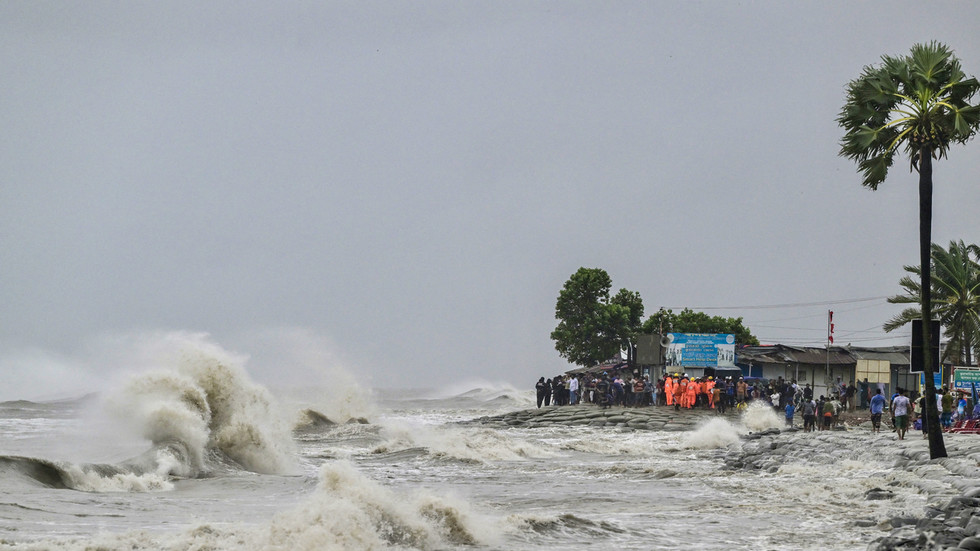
(901,407)
(877,408)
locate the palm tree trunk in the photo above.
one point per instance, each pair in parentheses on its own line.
(937,448)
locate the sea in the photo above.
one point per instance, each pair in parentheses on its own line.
(195,455)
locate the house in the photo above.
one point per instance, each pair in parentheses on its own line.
(823,367)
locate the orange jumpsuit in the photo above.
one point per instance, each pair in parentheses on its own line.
(669,390)
(680,390)
(692,394)
(709,388)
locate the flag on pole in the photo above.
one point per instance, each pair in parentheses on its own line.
(830,326)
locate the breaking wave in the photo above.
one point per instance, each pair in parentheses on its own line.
(715,433)
(346,511)
(759,416)
(201,413)
(206,405)
(720,433)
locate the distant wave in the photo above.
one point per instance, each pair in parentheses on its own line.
(473,394)
(19,404)
(93,477)
(311,420)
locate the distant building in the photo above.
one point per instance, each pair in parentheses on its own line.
(823,367)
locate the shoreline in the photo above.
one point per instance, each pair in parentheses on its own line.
(951,485)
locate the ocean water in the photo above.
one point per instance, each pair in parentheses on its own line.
(194,455)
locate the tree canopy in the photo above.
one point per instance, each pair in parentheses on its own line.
(592,327)
(956,298)
(919,102)
(690,321)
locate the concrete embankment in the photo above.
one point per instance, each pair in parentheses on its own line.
(640,418)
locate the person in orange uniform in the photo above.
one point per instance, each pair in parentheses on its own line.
(680,390)
(669,389)
(709,388)
(693,388)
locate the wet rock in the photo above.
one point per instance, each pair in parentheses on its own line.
(898,522)
(876,494)
(972,543)
(928,525)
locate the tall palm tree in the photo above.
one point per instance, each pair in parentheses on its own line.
(956,298)
(919,102)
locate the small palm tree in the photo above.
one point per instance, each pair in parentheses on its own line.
(919,103)
(956,298)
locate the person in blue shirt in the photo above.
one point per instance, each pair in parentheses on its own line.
(790,410)
(877,408)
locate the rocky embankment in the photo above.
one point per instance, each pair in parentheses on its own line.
(641,418)
(952,484)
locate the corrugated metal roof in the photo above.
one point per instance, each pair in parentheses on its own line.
(897,355)
(837,355)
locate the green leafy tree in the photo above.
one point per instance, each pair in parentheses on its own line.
(919,103)
(592,327)
(632,304)
(955,298)
(689,321)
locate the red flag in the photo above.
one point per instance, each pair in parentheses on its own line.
(830,326)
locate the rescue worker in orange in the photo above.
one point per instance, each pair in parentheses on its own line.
(693,387)
(709,387)
(680,390)
(669,389)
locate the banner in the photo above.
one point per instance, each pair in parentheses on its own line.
(700,350)
(964,378)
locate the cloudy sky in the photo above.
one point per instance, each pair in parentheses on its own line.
(402,188)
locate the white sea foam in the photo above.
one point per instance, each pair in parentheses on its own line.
(204,401)
(464,443)
(720,433)
(759,417)
(79,478)
(347,511)
(715,433)
(350,511)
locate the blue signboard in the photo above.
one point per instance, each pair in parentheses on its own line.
(700,350)
(937,379)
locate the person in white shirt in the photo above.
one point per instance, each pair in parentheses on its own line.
(901,407)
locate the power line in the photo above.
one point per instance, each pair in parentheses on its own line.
(774,306)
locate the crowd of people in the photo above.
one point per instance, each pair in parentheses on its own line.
(680,391)
(675,390)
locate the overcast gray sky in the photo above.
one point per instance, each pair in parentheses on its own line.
(402,188)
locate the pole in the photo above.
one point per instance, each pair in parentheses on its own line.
(830,339)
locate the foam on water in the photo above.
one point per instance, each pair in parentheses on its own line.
(463,443)
(350,511)
(347,511)
(759,417)
(715,433)
(720,433)
(204,403)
